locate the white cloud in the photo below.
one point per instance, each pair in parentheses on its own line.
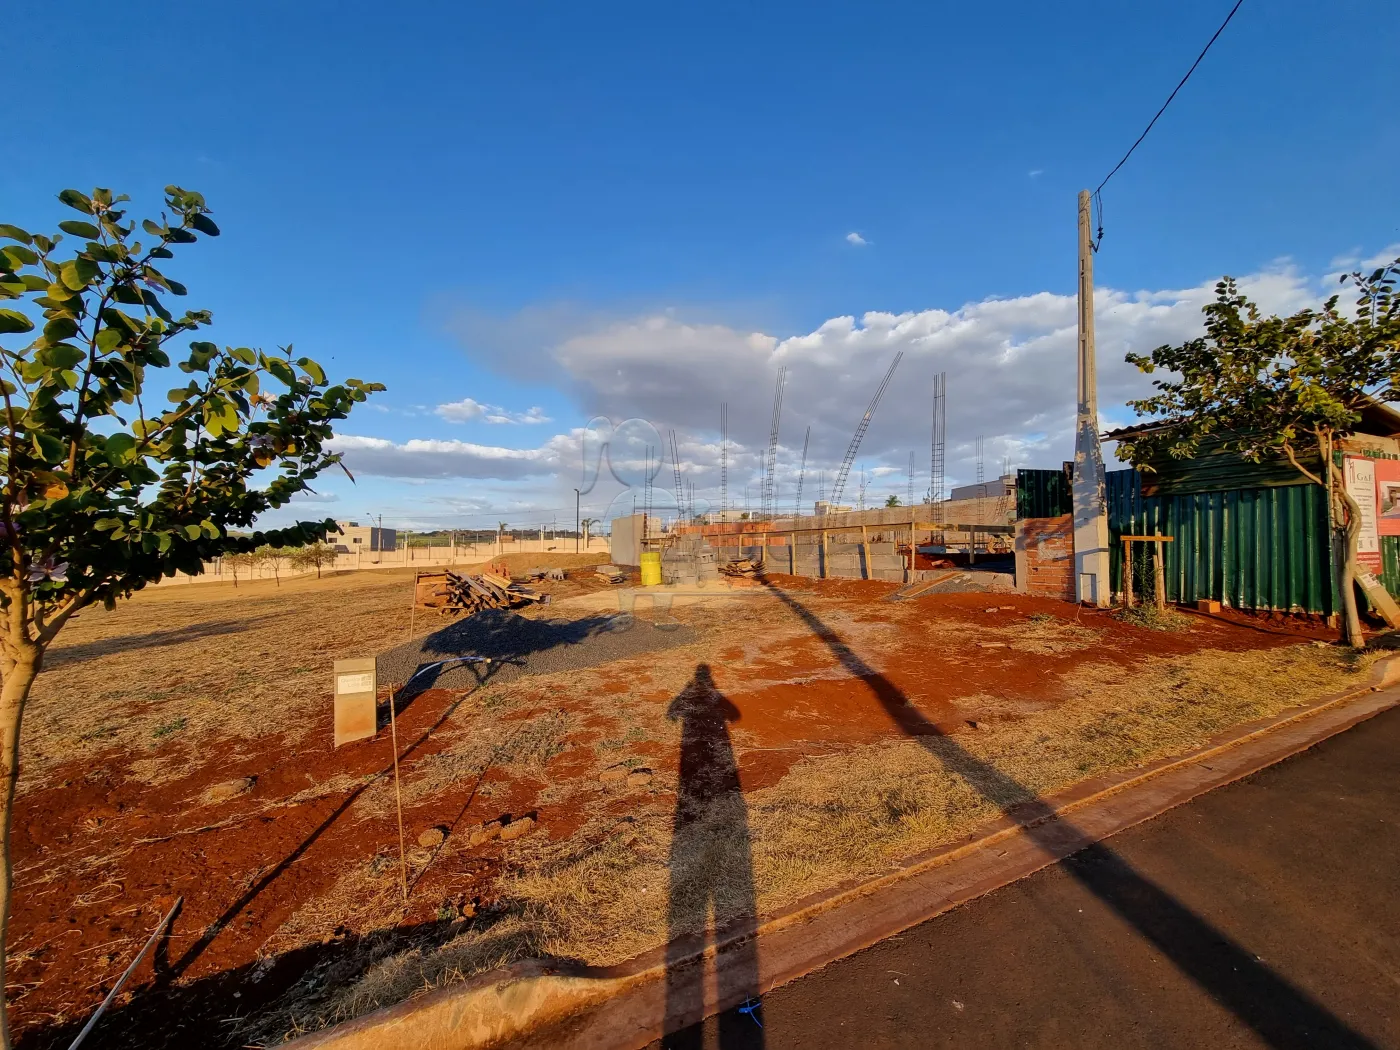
(530,416)
(856,239)
(422,458)
(1035,173)
(463,411)
(467,409)
(1010,365)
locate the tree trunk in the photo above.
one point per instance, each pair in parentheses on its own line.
(1351,534)
(13,694)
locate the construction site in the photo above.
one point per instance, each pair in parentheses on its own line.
(344,802)
(469,771)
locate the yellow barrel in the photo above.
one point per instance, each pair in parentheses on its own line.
(651,568)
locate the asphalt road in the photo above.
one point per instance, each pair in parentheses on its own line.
(1263,914)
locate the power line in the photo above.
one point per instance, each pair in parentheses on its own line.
(1159,112)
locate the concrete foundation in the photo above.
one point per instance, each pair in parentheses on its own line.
(691,560)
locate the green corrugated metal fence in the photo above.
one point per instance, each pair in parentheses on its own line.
(1253,548)
(1042,493)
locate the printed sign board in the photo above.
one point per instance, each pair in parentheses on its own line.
(1360,480)
(1388,496)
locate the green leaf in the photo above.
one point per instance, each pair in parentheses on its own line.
(14,321)
(64,355)
(204,225)
(16,255)
(119,445)
(102,253)
(107,524)
(176,288)
(317,374)
(78,273)
(77,201)
(210,529)
(108,340)
(193,532)
(280,369)
(59,329)
(78,228)
(153,229)
(14,233)
(49,448)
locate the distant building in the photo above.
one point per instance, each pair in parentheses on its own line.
(1001,487)
(351,536)
(825,506)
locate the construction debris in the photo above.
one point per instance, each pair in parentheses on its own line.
(746,567)
(610,574)
(454,594)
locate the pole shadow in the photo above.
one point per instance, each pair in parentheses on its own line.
(711,874)
(1283,1015)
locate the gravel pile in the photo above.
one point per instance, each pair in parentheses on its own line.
(519,646)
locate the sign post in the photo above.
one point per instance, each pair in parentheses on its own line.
(356,691)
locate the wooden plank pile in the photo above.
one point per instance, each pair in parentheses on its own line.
(456,594)
(610,574)
(745,567)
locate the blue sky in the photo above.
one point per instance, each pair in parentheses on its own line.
(640,210)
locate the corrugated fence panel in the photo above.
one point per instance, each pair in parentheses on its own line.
(1042,493)
(1390,563)
(1255,548)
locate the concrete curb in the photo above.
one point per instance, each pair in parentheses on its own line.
(541,1005)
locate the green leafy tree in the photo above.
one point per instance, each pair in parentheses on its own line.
(106,487)
(892,500)
(272,557)
(313,556)
(239,561)
(1280,387)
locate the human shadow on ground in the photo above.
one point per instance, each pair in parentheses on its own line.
(711,873)
(1279,1012)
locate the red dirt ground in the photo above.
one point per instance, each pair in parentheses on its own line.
(245,866)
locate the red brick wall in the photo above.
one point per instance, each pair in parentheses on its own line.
(1047,546)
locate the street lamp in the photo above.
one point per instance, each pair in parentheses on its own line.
(576,526)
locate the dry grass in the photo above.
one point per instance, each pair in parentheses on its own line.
(176,664)
(1152,618)
(1045,635)
(844,816)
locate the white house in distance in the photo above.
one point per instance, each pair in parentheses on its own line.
(350,536)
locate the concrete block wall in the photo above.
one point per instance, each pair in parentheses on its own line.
(689,562)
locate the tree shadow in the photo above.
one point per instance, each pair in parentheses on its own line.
(154,640)
(203,1012)
(511,642)
(167,971)
(711,872)
(1279,1012)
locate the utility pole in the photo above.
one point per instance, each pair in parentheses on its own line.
(576,532)
(1087,481)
